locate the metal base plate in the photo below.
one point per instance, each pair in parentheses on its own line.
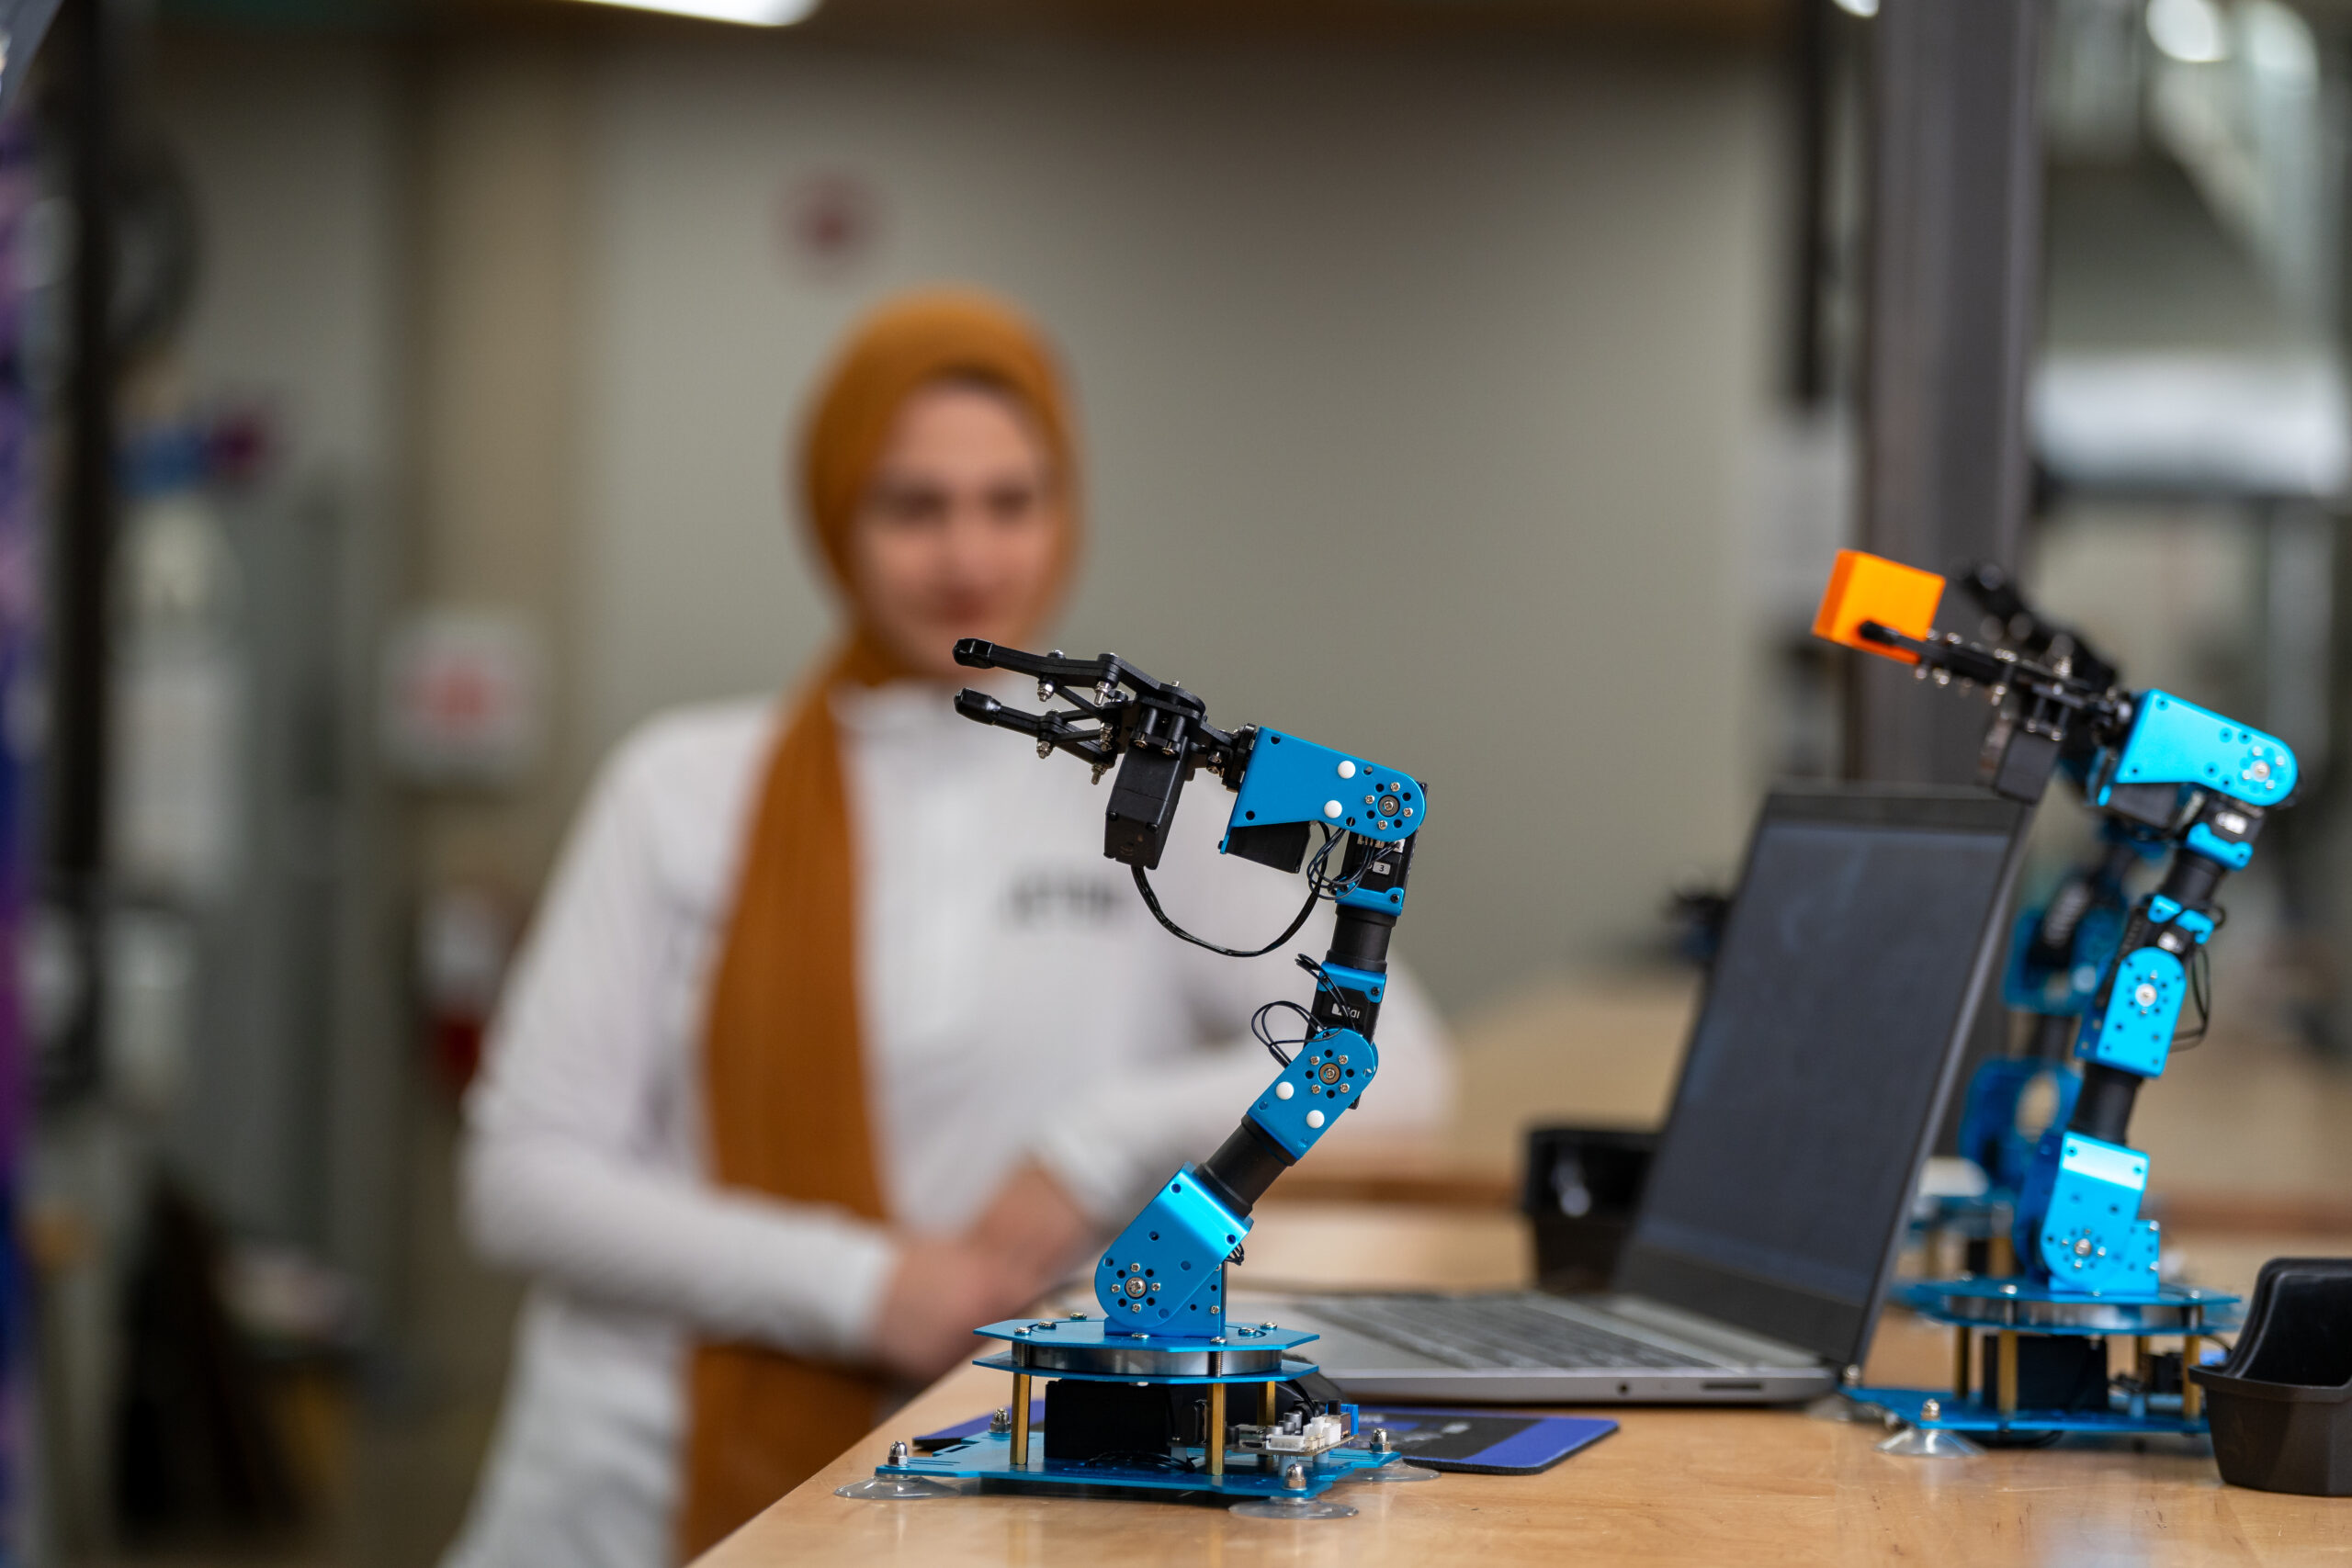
(988,1458)
(2162,1415)
(1089,1347)
(2033,1308)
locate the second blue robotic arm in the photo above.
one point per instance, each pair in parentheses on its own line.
(2205,782)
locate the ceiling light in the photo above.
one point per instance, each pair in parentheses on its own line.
(750,13)
(1859,8)
(2191,31)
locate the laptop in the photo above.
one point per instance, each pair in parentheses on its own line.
(1867,924)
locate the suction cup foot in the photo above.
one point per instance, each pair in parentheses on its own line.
(896,1489)
(1837,1407)
(1928,1442)
(880,1488)
(1292,1509)
(1398,1472)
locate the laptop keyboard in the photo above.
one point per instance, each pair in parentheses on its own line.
(1493,1331)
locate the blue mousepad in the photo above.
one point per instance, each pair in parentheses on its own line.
(1478,1440)
(1485,1441)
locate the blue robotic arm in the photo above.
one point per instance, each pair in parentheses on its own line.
(1165,1272)
(2204,782)
(2183,776)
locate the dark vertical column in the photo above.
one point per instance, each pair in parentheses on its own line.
(1955,238)
(74,791)
(1809,78)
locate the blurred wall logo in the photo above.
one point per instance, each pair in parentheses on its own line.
(464,703)
(832,223)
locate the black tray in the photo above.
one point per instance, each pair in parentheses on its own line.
(2282,1406)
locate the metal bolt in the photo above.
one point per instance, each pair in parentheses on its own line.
(1000,1422)
(1380,1443)
(1294,1477)
(2083,1248)
(1077,1317)
(1931,1410)
(897,1453)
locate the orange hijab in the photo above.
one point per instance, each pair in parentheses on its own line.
(782,1063)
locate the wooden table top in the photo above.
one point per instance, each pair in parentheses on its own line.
(1672,1487)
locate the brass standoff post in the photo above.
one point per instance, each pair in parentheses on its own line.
(1960,1362)
(2192,1394)
(1019,1455)
(1215,1434)
(2000,1257)
(1269,1404)
(2141,1370)
(2009,1380)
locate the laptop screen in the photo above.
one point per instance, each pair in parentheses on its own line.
(1842,994)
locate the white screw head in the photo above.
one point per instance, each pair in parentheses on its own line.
(1315,1118)
(1283,1091)
(1332,808)
(1347,770)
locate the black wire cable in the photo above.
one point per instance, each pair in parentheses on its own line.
(1264,1033)
(2200,987)
(2200,992)
(1316,888)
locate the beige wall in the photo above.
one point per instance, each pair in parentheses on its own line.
(1417,391)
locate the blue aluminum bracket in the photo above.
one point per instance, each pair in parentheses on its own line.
(1290,780)
(2134,1035)
(2087,1235)
(1327,1076)
(2211,845)
(2163,911)
(1372,987)
(1166,1272)
(2173,742)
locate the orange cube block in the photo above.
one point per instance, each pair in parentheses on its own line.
(1864,587)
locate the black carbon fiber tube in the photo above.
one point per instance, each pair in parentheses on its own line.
(1244,1166)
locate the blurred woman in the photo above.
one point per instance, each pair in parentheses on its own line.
(836,1034)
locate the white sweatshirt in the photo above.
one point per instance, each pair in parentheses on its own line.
(1019,1001)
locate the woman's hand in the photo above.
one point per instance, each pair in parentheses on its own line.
(1033,1224)
(943,1289)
